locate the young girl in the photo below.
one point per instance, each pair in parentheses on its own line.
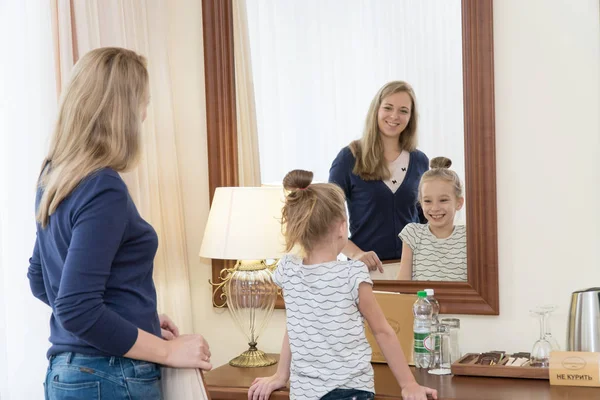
(325,353)
(436,251)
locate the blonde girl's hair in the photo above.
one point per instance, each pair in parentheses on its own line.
(310,211)
(99,123)
(368,151)
(440,170)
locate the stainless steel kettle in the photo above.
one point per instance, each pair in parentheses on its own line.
(583,333)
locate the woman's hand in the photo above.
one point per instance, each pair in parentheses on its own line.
(168,329)
(188,351)
(371,260)
(262,388)
(413,391)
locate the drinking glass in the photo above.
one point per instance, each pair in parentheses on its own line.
(440,356)
(548,335)
(540,353)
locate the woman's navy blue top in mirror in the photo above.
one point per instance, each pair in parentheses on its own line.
(378,215)
(92,265)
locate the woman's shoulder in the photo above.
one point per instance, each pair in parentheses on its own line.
(104,179)
(345,155)
(101,185)
(420,157)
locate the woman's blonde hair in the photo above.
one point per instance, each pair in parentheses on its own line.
(440,170)
(99,123)
(368,151)
(310,210)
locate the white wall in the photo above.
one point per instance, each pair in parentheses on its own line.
(547,69)
(27,99)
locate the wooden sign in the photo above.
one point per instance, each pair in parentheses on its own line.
(397,309)
(574,368)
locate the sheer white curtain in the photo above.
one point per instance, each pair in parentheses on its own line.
(248,154)
(155,183)
(27,111)
(318,63)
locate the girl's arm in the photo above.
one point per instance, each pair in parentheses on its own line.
(388,342)
(262,388)
(370,258)
(285,359)
(406,264)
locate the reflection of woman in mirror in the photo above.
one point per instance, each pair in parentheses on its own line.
(380,174)
(436,251)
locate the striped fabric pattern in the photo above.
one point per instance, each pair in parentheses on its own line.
(437,259)
(325,327)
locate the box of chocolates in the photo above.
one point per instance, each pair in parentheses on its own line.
(498,364)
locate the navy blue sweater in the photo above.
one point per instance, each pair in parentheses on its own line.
(377,215)
(93,265)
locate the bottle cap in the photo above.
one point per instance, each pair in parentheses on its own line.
(429,292)
(421,294)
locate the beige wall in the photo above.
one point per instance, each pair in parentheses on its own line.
(547,63)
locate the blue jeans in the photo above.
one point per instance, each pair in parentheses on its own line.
(348,394)
(74,376)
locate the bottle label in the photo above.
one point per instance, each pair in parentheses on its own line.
(429,344)
(423,343)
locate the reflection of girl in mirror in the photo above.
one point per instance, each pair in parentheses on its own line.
(326,301)
(436,251)
(380,175)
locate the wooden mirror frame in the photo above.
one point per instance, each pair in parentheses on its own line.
(479,295)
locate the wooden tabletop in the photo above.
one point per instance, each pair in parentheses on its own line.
(227,382)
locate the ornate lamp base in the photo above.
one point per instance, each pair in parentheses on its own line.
(252,358)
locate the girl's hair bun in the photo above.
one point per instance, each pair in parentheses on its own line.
(440,162)
(297,179)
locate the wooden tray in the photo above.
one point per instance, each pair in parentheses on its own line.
(498,371)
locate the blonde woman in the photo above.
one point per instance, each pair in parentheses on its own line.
(379,175)
(93,257)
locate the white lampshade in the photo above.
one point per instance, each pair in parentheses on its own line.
(244,223)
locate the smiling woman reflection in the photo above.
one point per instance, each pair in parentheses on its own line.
(436,251)
(380,175)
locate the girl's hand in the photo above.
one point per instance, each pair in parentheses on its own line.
(168,329)
(413,391)
(188,351)
(262,388)
(371,260)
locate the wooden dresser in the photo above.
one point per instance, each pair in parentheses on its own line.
(227,382)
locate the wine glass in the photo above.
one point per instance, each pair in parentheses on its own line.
(540,353)
(548,335)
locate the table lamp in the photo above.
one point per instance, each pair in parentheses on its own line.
(244,224)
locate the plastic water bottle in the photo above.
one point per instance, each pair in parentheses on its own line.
(435,305)
(422,311)
(435,324)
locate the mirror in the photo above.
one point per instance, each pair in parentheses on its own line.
(479,294)
(315,71)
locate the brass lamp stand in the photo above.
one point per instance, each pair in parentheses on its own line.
(250,296)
